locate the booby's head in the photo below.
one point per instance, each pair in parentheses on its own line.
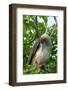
(45,39)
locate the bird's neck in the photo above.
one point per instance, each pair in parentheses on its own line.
(42,46)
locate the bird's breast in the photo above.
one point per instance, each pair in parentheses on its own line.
(41,55)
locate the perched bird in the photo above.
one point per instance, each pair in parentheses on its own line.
(40,51)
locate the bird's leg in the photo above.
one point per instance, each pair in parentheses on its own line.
(42,67)
(39,65)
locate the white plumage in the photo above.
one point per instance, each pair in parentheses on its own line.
(41,55)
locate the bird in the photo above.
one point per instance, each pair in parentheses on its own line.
(40,52)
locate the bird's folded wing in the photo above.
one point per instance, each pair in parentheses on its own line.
(33,51)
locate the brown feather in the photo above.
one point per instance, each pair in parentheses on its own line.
(34,50)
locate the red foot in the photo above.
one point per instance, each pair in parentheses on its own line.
(40,65)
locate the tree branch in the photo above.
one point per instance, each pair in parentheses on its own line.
(55,20)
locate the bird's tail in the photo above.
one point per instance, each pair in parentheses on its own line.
(45,69)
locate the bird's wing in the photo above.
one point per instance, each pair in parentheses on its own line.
(33,51)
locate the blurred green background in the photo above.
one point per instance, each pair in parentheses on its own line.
(33,27)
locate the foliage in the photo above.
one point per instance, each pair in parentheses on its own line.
(33,27)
